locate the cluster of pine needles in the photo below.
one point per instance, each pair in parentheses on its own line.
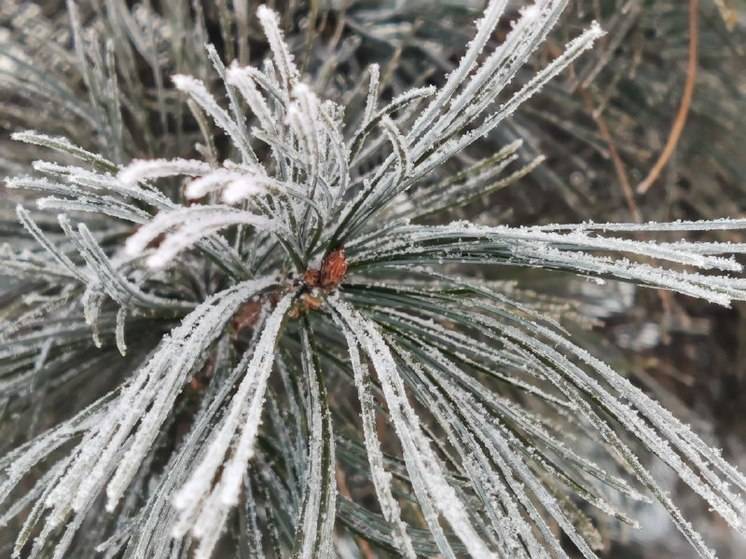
(253,302)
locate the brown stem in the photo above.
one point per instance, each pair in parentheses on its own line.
(686,101)
(621,173)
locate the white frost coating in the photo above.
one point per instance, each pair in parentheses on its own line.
(18,462)
(175,361)
(381,478)
(378,187)
(528,34)
(399,142)
(244,143)
(193,218)
(144,169)
(198,92)
(528,422)
(111,280)
(242,79)
(160,380)
(724,224)
(204,185)
(25,218)
(78,184)
(567,368)
(302,118)
(370,103)
(474,187)
(407,425)
(485,27)
(567,251)
(62,144)
(150,540)
(270,22)
(190,233)
(241,188)
(92,180)
(504,457)
(484,475)
(242,419)
(675,435)
(255,386)
(493,435)
(399,102)
(553,356)
(119,331)
(500,67)
(573,50)
(318,509)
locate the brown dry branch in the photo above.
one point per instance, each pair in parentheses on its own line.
(686,102)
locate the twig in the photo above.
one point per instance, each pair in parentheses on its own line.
(603,129)
(686,101)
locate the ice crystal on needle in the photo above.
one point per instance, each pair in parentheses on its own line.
(255,307)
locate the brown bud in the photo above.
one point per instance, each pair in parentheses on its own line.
(333,269)
(310,302)
(311,277)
